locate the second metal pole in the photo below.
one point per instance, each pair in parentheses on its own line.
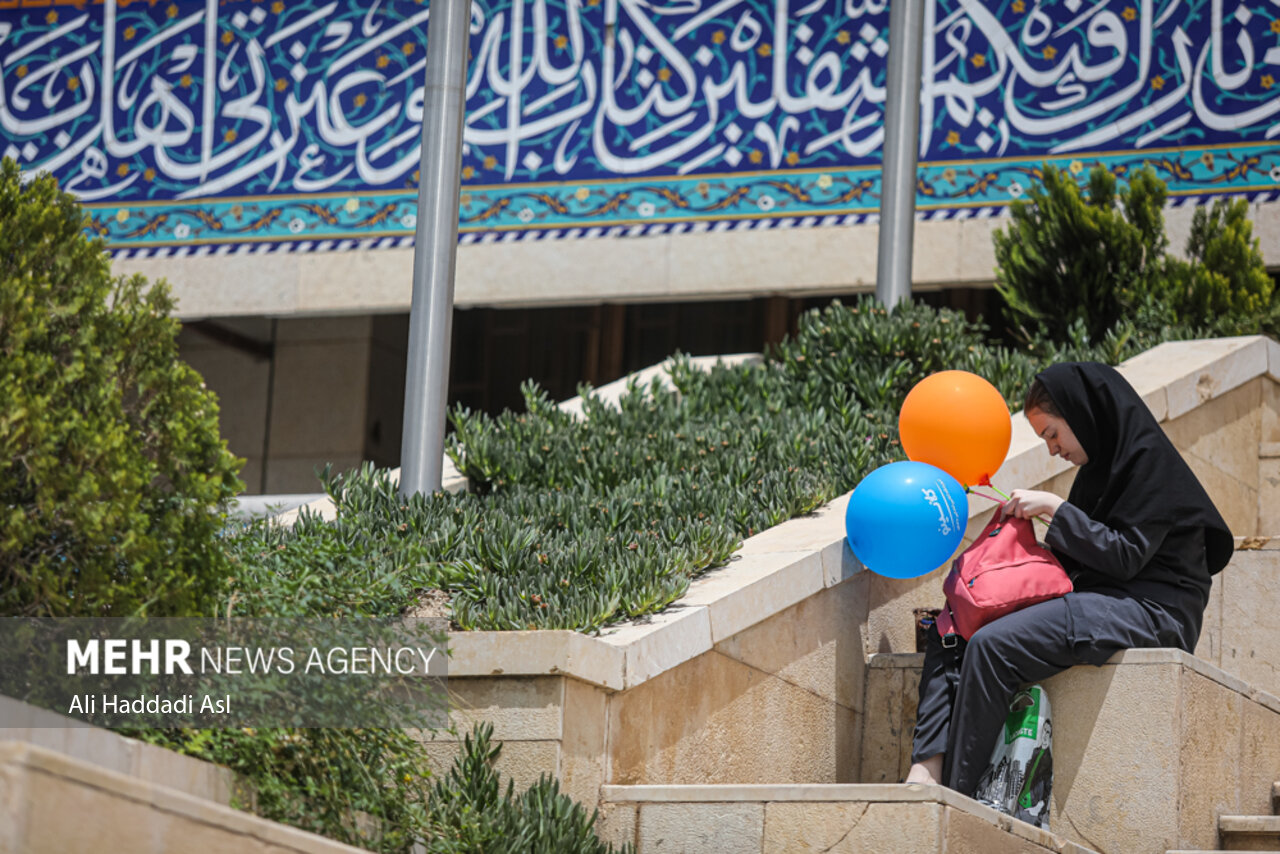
(435,251)
(901,137)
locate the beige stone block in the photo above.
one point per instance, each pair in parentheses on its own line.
(936,252)
(102,822)
(521,761)
(969,834)
(1268,496)
(815,645)
(840,565)
(1259,758)
(1113,726)
(753,586)
(520,708)
(1224,432)
(698,828)
(183,773)
(1271,395)
(660,642)
(224,285)
(1236,501)
(891,624)
(1266,227)
(531,653)
(541,271)
(1209,647)
(977,259)
(310,377)
(617,824)
(526,761)
(1215,367)
(1250,634)
(885,734)
(822,531)
(1210,761)
(583,746)
(752,261)
(716,720)
(102,748)
(851,828)
(362,280)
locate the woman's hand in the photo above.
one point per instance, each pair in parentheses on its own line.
(1025,503)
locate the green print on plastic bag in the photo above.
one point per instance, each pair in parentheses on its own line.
(1022,723)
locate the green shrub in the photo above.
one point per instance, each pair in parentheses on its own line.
(1076,269)
(1223,285)
(470,814)
(1069,258)
(112,473)
(364,787)
(372,788)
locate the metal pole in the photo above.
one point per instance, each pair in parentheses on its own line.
(426,387)
(901,137)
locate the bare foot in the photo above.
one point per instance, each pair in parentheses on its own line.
(927,771)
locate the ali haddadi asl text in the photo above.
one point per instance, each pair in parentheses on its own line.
(149,704)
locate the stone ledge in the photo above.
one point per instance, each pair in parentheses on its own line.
(835,793)
(661,641)
(731,793)
(242,831)
(537,653)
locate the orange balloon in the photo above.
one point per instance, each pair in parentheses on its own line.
(958,422)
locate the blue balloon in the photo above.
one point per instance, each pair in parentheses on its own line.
(906,519)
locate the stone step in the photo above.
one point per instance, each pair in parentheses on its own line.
(1249,832)
(837,817)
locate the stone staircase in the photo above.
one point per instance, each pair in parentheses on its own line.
(1248,832)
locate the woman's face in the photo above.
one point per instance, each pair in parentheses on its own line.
(1057,436)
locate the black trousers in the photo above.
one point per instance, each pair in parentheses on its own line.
(965,691)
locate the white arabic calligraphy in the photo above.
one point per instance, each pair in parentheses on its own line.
(548,86)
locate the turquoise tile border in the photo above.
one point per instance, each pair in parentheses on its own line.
(944,190)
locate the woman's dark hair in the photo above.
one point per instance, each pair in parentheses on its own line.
(1038,398)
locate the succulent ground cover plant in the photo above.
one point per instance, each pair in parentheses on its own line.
(575,523)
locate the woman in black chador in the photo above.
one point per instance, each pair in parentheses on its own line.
(1140,539)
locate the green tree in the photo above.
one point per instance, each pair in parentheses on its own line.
(1223,285)
(113,477)
(1070,258)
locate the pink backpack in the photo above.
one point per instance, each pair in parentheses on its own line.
(1003,570)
